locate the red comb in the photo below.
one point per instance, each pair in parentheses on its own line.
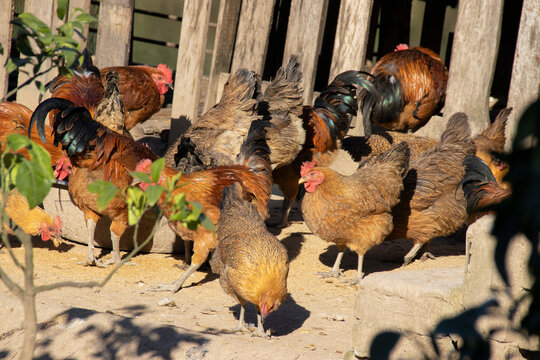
(58,223)
(401,47)
(144,166)
(306,167)
(166,72)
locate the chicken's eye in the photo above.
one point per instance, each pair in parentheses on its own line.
(50,228)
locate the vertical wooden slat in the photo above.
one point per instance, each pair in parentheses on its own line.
(254,26)
(6,12)
(524,88)
(304,37)
(114,33)
(84,5)
(45,10)
(189,66)
(474,53)
(224,44)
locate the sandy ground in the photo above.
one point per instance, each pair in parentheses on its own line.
(123,321)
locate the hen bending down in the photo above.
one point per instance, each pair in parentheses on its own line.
(252,264)
(354,211)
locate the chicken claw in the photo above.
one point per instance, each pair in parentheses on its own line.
(427,255)
(329,274)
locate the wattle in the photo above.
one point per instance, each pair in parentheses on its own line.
(310,187)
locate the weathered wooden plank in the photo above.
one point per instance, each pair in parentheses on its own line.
(189,66)
(224,44)
(474,54)
(524,88)
(114,33)
(304,37)
(84,5)
(254,26)
(6,12)
(45,10)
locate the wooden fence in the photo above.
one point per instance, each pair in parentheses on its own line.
(242,40)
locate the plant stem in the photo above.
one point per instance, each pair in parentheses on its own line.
(29,301)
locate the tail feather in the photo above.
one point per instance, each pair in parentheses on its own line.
(493,137)
(457,132)
(479,185)
(241,87)
(376,106)
(399,155)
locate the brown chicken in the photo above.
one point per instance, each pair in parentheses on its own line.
(252,264)
(480,188)
(15,119)
(253,172)
(143,90)
(406,88)
(35,222)
(215,138)
(354,211)
(432,203)
(90,148)
(326,122)
(488,144)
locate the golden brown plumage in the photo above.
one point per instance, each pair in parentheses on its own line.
(354,211)
(143,90)
(407,88)
(32,221)
(432,204)
(110,111)
(252,264)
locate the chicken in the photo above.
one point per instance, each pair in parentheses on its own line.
(326,122)
(432,203)
(216,137)
(354,211)
(32,221)
(252,264)
(110,110)
(488,144)
(15,118)
(143,90)
(253,172)
(93,151)
(406,88)
(480,188)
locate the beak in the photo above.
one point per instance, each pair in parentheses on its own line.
(170,86)
(56,241)
(301,181)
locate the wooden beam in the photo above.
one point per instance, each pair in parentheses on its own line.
(189,66)
(84,5)
(6,12)
(474,55)
(524,88)
(304,38)
(45,10)
(254,26)
(223,48)
(114,33)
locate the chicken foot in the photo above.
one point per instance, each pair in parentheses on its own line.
(116,258)
(411,255)
(90,257)
(260,328)
(177,285)
(241,327)
(360,274)
(335,272)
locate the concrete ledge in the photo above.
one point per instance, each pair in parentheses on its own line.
(58,202)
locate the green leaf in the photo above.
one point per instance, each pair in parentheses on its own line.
(34,23)
(40,157)
(153,194)
(141,176)
(157,168)
(67,29)
(106,192)
(61,9)
(195,212)
(15,142)
(32,183)
(84,17)
(207,223)
(136,201)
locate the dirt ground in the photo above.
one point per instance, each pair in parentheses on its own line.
(123,321)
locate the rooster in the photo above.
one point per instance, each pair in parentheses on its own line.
(93,151)
(252,264)
(326,122)
(143,90)
(406,88)
(354,211)
(32,221)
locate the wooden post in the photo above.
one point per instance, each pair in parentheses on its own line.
(85,5)
(526,70)
(28,95)
(6,12)
(474,55)
(254,26)
(350,45)
(304,37)
(224,45)
(189,66)
(114,33)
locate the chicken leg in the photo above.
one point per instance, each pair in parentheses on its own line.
(241,327)
(360,273)
(177,285)
(411,255)
(260,328)
(115,258)
(335,272)
(90,257)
